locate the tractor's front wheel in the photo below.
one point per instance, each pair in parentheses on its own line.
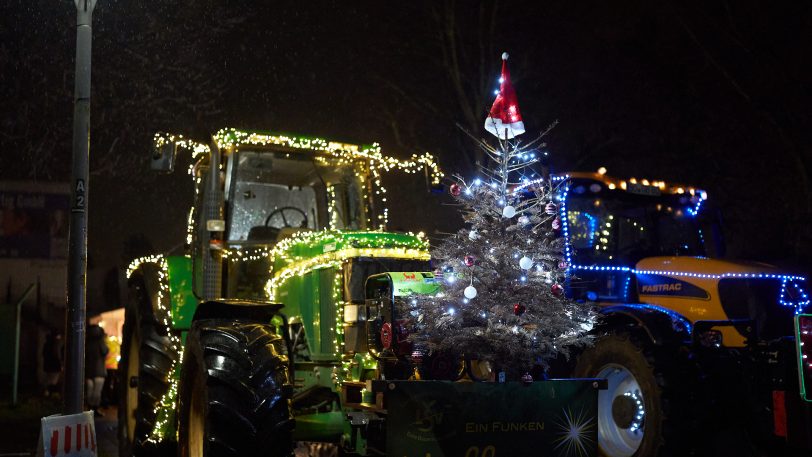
(630,417)
(234,397)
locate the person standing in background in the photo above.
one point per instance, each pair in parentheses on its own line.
(95,371)
(52,357)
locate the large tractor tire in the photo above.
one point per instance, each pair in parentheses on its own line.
(630,412)
(147,357)
(234,392)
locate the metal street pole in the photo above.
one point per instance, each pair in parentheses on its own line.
(77,251)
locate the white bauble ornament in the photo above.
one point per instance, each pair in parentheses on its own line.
(473,235)
(526,263)
(508,211)
(469,292)
(524,220)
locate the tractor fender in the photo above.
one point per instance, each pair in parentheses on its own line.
(247,311)
(149,274)
(243,310)
(661,325)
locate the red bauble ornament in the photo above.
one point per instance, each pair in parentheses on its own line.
(551,208)
(562,265)
(519,309)
(386,335)
(469,260)
(556,224)
(455,190)
(557,290)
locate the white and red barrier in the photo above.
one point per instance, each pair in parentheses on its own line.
(68,436)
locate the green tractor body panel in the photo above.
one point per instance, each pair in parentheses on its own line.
(310,279)
(327,427)
(309,300)
(184,302)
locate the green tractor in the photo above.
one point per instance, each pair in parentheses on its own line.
(212,363)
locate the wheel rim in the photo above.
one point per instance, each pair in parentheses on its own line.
(196,423)
(133,363)
(621,412)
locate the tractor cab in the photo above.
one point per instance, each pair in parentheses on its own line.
(612,224)
(646,243)
(271,195)
(255,189)
(276,186)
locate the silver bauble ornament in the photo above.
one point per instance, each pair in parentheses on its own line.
(470,292)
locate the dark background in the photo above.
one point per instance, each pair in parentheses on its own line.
(711,93)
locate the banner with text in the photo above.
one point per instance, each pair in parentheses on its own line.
(445,419)
(34,225)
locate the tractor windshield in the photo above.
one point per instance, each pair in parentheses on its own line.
(269,194)
(619,227)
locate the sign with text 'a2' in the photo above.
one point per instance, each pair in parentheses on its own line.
(68,436)
(445,419)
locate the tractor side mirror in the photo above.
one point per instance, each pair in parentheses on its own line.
(163,157)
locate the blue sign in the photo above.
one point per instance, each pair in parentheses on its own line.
(34,225)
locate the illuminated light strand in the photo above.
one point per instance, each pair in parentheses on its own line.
(626,287)
(365,160)
(675,317)
(687,274)
(799,305)
(161,138)
(527,184)
(338,342)
(333,258)
(190,225)
(383,218)
(565,228)
(614,183)
(358,239)
(165,408)
(695,210)
(640,413)
(232,137)
(784,301)
(331,207)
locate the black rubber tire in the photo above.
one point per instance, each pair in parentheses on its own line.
(625,350)
(156,357)
(236,373)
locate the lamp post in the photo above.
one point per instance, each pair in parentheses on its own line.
(77,251)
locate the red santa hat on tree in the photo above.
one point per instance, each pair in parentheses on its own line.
(504,119)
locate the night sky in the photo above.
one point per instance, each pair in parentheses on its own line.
(716,94)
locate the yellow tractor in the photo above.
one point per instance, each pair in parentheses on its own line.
(694,348)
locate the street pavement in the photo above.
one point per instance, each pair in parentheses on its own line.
(107,432)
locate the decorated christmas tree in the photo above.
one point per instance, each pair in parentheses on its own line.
(503,298)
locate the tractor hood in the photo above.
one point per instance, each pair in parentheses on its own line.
(710,289)
(705,267)
(308,251)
